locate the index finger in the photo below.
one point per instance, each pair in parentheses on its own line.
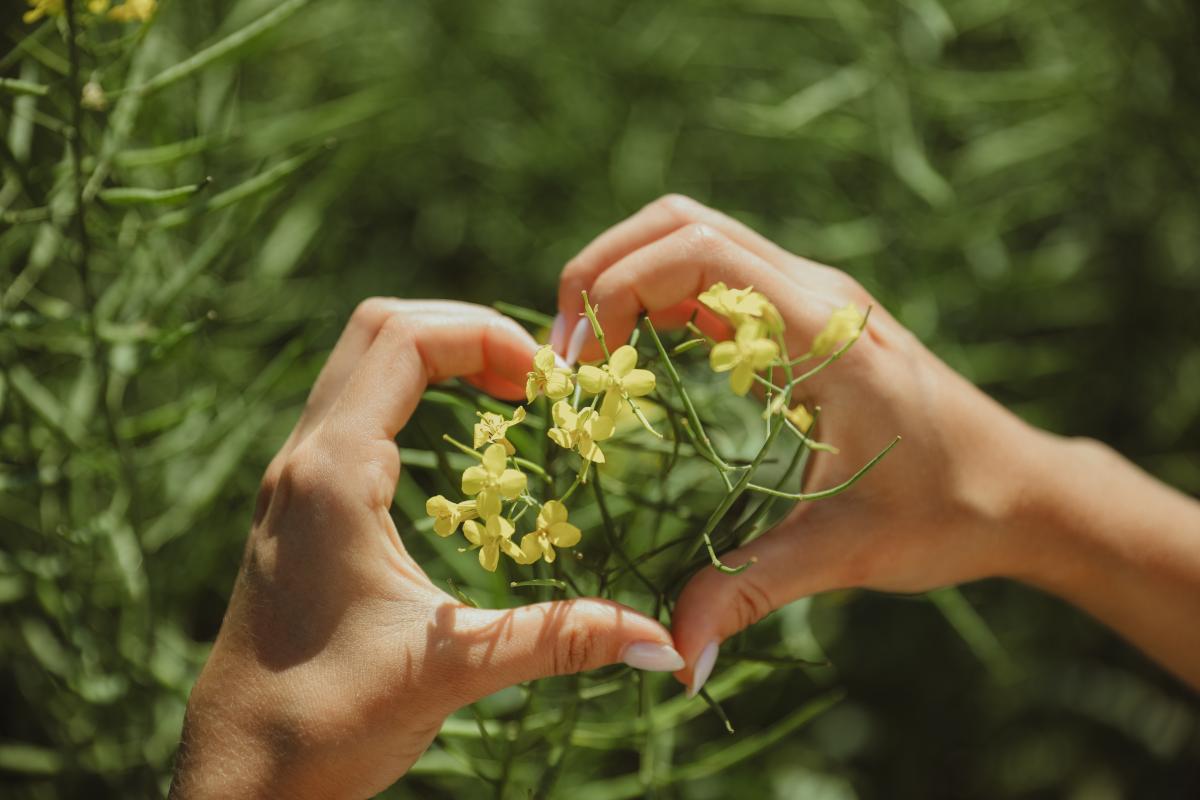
(417,347)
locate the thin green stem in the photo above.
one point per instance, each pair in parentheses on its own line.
(695,428)
(597,331)
(830,492)
(469,451)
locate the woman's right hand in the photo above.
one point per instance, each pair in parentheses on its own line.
(950,503)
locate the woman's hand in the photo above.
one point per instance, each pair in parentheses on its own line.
(970,492)
(338,659)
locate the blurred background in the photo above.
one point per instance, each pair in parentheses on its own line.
(1019,182)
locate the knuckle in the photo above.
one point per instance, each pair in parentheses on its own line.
(678,206)
(703,240)
(750,603)
(370,313)
(576,647)
(305,476)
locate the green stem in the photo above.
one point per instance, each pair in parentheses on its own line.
(694,427)
(830,492)
(597,331)
(469,451)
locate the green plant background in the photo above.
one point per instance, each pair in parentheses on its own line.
(1016,180)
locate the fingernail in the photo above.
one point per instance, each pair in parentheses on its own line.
(703,668)
(559,361)
(558,332)
(578,336)
(652,657)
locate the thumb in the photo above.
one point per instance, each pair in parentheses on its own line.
(561,638)
(714,605)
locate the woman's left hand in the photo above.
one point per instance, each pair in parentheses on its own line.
(338,659)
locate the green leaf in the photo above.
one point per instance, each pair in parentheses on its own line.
(30,759)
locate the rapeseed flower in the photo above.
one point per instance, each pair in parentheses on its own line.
(800,417)
(844,325)
(133,11)
(619,380)
(490,482)
(580,430)
(547,377)
(742,307)
(447,516)
(493,428)
(552,531)
(749,352)
(490,539)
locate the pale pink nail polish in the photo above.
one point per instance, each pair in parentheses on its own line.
(583,329)
(652,657)
(558,332)
(703,668)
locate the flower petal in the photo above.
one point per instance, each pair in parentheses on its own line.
(741,379)
(494,459)
(592,379)
(473,531)
(552,512)
(489,556)
(511,483)
(474,479)
(639,382)
(724,357)
(558,384)
(623,359)
(564,534)
(488,502)
(543,359)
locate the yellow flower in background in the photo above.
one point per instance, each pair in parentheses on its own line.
(493,428)
(580,430)
(745,355)
(743,306)
(447,516)
(97,6)
(42,8)
(133,11)
(800,417)
(491,538)
(552,531)
(618,380)
(548,378)
(844,325)
(491,481)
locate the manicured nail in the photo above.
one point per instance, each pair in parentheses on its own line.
(558,332)
(559,361)
(582,329)
(703,668)
(652,657)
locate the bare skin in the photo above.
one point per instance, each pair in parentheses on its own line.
(971,492)
(338,659)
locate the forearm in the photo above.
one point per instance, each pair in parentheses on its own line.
(1108,538)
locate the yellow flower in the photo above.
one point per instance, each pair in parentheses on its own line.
(745,355)
(580,430)
(548,378)
(800,417)
(553,530)
(40,8)
(97,6)
(743,306)
(490,481)
(490,538)
(844,325)
(133,11)
(494,428)
(446,515)
(618,379)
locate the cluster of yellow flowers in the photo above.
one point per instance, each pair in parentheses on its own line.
(581,427)
(493,481)
(129,11)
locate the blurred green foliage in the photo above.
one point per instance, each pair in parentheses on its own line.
(1016,180)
